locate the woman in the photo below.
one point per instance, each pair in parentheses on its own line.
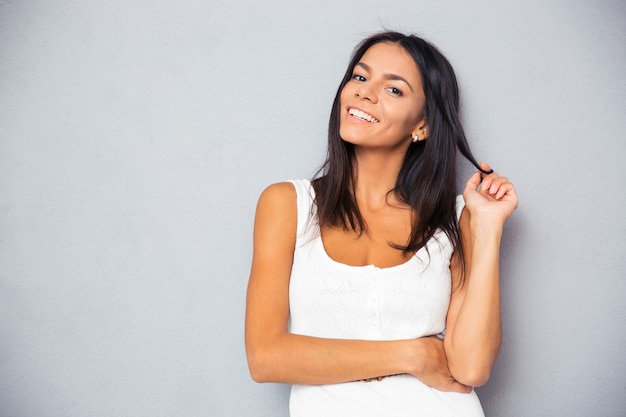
(356,274)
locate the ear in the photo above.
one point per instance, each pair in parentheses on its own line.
(421,130)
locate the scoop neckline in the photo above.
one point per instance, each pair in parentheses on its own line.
(329,259)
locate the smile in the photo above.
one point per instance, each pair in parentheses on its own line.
(362,115)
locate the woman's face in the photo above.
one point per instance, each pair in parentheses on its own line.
(382,104)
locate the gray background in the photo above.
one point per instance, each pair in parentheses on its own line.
(136,136)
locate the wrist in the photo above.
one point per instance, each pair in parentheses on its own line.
(420,355)
(486,227)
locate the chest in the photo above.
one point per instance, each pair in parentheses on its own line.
(375,246)
(332,299)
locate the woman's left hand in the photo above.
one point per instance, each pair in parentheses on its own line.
(494,197)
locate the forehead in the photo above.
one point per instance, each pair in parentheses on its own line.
(392,58)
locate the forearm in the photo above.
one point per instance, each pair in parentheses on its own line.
(472,346)
(297,359)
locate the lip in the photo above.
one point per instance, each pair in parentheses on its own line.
(357,119)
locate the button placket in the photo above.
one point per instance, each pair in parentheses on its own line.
(374,301)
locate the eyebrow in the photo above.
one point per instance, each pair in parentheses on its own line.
(385,76)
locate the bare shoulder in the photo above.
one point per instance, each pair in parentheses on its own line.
(277,213)
(278,199)
(279,193)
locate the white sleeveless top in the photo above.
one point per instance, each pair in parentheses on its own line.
(334,300)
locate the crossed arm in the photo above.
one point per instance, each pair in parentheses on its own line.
(463,360)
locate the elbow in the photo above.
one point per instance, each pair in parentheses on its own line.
(472,377)
(265,357)
(472,367)
(258,376)
(258,366)
(473,373)
(257,373)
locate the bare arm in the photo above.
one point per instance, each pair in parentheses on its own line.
(275,355)
(473,330)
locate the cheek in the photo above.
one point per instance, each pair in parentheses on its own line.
(412,117)
(403,119)
(344,95)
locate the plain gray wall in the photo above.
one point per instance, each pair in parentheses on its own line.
(136,136)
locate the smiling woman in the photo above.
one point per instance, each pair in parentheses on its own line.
(358,274)
(377,94)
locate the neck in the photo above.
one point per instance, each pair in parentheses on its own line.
(376,174)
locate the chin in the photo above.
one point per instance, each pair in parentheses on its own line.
(349,139)
(347,135)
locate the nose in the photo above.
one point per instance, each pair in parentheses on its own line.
(364,92)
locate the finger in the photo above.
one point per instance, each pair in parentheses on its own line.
(499,185)
(473,182)
(487,180)
(484,166)
(503,190)
(496,184)
(458,387)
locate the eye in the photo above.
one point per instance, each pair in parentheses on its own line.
(358,77)
(395,91)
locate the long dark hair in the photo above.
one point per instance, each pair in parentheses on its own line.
(427,178)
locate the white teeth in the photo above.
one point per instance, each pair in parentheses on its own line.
(362,115)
